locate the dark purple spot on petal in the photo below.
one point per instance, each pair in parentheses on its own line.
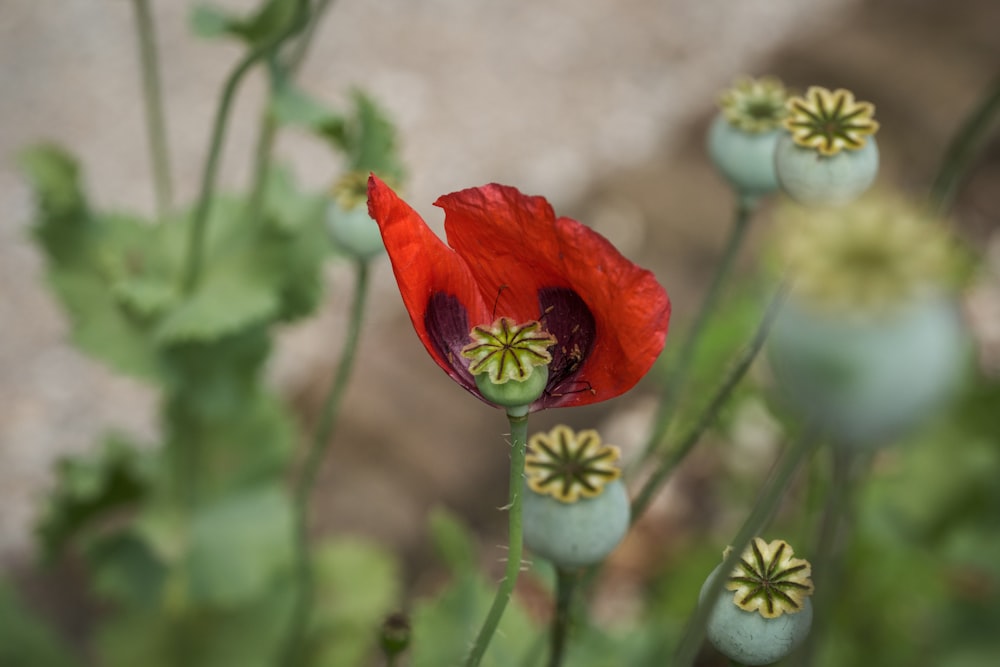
(567,317)
(447,324)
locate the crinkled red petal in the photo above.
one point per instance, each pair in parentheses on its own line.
(516,249)
(438,289)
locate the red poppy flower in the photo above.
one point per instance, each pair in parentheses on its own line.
(511,257)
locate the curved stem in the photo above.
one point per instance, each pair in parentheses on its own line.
(566,581)
(302,608)
(678,375)
(519,442)
(152,96)
(965,144)
(662,473)
(758,518)
(199,221)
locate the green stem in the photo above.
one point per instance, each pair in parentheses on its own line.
(566,581)
(662,473)
(519,443)
(302,608)
(829,549)
(199,221)
(678,376)
(759,516)
(297,53)
(152,96)
(967,142)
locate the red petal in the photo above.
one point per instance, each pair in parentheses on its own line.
(514,247)
(425,268)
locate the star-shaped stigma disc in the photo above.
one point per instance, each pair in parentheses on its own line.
(769,580)
(569,466)
(507,350)
(830,122)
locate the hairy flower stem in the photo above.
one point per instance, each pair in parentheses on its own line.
(199,220)
(662,473)
(677,376)
(302,607)
(967,142)
(153,98)
(518,447)
(757,520)
(566,581)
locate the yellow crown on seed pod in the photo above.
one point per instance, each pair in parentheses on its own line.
(568,465)
(830,121)
(868,256)
(769,580)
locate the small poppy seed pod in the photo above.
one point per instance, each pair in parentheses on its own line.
(743,136)
(811,178)
(514,393)
(353,231)
(764,612)
(829,156)
(576,509)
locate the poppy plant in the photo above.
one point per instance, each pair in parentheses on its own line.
(511,260)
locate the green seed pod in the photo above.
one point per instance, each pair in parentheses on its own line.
(745,160)
(353,231)
(870,341)
(513,393)
(580,533)
(829,156)
(764,611)
(866,381)
(812,178)
(576,509)
(743,136)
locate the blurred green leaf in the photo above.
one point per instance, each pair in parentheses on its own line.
(272,18)
(357,586)
(240,545)
(444,627)
(249,635)
(25,640)
(88,489)
(125,569)
(454,543)
(371,140)
(292,106)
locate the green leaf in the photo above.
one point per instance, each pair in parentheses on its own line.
(271,19)
(249,635)
(445,626)
(125,569)
(240,545)
(357,586)
(453,541)
(88,489)
(89,255)
(292,106)
(209,22)
(25,640)
(372,141)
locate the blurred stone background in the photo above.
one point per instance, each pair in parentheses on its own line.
(600,106)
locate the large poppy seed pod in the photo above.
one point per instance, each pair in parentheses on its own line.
(870,340)
(576,509)
(763,612)
(868,380)
(744,134)
(829,156)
